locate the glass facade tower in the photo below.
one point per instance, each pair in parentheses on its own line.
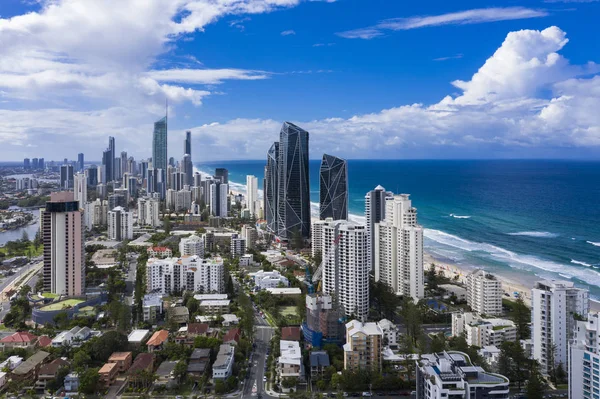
(333,188)
(270,188)
(159,145)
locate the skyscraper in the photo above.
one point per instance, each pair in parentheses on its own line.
(80,189)
(41,164)
(64,250)
(66,177)
(187,145)
(80,162)
(159,145)
(108,161)
(124,164)
(35,164)
(26,164)
(222,174)
(92,174)
(251,193)
(218,199)
(554,305)
(399,249)
(188,170)
(270,188)
(374,213)
(584,358)
(293,201)
(345,267)
(120,224)
(333,188)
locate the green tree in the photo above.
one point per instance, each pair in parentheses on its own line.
(193,305)
(81,359)
(88,381)
(521,315)
(25,236)
(167,224)
(180,371)
(438,343)
(536,386)
(56,383)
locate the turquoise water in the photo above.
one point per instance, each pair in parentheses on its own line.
(524,219)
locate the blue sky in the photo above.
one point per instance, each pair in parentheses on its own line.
(368,79)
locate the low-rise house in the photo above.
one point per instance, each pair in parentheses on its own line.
(210,297)
(198,363)
(319,361)
(290,333)
(223,365)
(272,279)
(136,337)
(122,359)
(292,291)
(232,337)
(3,379)
(11,363)
(73,337)
(390,332)
(289,363)
(187,335)
(159,252)
(44,341)
(28,370)
(108,374)
(158,339)
(179,314)
(143,362)
(230,320)
(152,307)
(71,383)
(219,306)
(49,372)
(24,339)
(165,377)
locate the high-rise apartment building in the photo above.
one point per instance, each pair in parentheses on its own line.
(270,188)
(222,174)
(62,230)
(399,248)
(124,164)
(484,293)
(317,236)
(187,168)
(120,224)
(345,267)
(92,176)
(96,213)
(187,145)
(108,161)
(293,202)
(238,246)
(363,347)
(374,213)
(66,177)
(80,189)
(554,306)
(584,359)
(190,273)
(34,164)
(322,321)
(148,212)
(333,188)
(251,193)
(41,164)
(250,235)
(192,245)
(219,195)
(80,162)
(26,164)
(159,145)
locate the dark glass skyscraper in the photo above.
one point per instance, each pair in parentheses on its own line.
(270,188)
(108,161)
(187,145)
(66,177)
(222,174)
(333,188)
(92,176)
(293,202)
(159,145)
(80,162)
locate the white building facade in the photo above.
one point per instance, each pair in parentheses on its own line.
(148,212)
(120,224)
(399,248)
(484,293)
(192,245)
(190,273)
(584,359)
(251,194)
(374,213)
(264,280)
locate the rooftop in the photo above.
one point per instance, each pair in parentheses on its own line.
(285,291)
(137,335)
(141,362)
(166,368)
(205,297)
(31,363)
(220,302)
(158,338)
(66,304)
(119,356)
(319,359)
(107,368)
(19,337)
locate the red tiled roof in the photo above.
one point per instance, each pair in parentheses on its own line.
(197,328)
(44,341)
(159,249)
(232,335)
(142,361)
(158,338)
(290,333)
(52,367)
(19,337)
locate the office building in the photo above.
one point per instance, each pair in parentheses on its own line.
(148,212)
(26,164)
(293,203)
(363,347)
(584,359)
(64,251)
(192,245)
(452,375)
(188,170)
(222,174)
(190,273)
(270,187)
(66,177)
(251,194)
(399,248)
(219,199)
(554,305)
(80,189)
(187,145)
(374,213)
(484,293)
(80,163)
(345,267)
(120,224)
(333,188)
(159,145)
(92,176)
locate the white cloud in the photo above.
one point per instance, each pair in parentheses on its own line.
(205,76)
(504,107)
(451,57)
(475,16)
(288,32)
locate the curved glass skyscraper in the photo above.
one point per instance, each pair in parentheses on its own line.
(270,188)
(159,145)
(333,188)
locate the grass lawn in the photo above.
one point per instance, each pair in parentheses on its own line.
(62,304)
(49,295)
(288,311)
(26,251)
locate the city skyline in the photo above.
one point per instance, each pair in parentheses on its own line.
(509,82)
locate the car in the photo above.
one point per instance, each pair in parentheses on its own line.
(178,397)
(264,378)
(367,394)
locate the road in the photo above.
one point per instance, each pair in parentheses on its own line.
(5,303)
(130,279)
(254,385)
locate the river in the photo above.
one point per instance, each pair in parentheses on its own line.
(16,234)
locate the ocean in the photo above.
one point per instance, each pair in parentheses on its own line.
(522,219)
